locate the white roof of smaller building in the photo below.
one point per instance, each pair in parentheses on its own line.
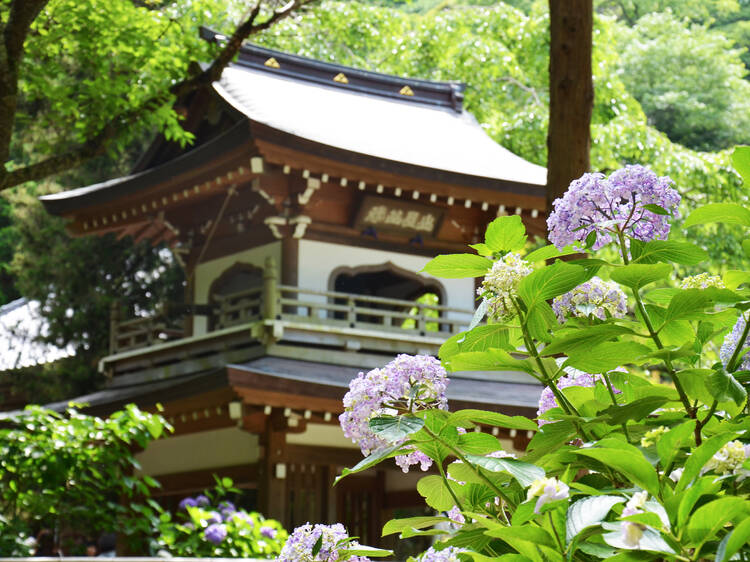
(21,328)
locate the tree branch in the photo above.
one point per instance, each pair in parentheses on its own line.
(98,144)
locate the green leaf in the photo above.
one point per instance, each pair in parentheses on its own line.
(651,541)
(505,234)
(550,252)
(540,319)
(433,489)
(741,162)
(710,518)
(627,460)
(734,278)
(656,209)
(685,304)
(478,443)
(398,525)
(361,550)
(480,338)
(584,338)
(534,542)
(588,512)
(457,266)
(395,428)
(699,457)
(727,213)
(638,275)
(463,417)
(482,249)
(672,441)
(371,460)
(635,410)
(706,486)
(490,360)
(606,356)
(550,281)
(683,253)
(734,541)
(524,472)
(723,386)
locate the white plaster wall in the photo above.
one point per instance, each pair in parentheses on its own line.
(317,260)
(321,434)
(207,272)
(199,451)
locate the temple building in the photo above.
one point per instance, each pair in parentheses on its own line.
(302,214)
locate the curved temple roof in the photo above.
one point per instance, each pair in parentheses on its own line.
(367,113)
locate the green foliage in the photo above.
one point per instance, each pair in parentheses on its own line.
(74,471)
(248,534)
(630,467)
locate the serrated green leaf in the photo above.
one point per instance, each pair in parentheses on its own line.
(627,460)
(435,493)
(588,512)
(550,252)
(699,457)
(524,472)
(457,266)
(734,541)
(484,417)
(395,428)
(635,410)
(727,213)
(584,338)
(490,360)
(683,253)
(710,518)
(605,357)
(638,275)
(723,386)
(506,234)
(480,338)
(672,441)
(371,460)
(550,281)
(397,525)
(741,162)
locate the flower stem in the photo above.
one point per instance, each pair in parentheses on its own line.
(732,365)
(447,485)
(611,390)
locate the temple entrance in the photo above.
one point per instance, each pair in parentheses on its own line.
(235,297)
(406,299)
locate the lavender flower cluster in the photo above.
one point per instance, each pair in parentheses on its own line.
(300,544)
(731,341)
(605,205)
(500,284)
(594,297)
(408,382)
(449,554)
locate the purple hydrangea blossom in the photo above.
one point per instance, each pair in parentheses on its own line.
(547,400)
(594,297)
(299,545)
(606,205)
(214,517)
(455,515)
(215,533)
(268,532)
(202,501)
(378,393)
(244,517)
(449,554)
(187,502)
(731,341)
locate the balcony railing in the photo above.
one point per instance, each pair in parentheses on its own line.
(294,305)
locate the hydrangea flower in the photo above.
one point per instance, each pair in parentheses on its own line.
(547,490)
(187,502)
(632,532)
(213,517)
(652,436)
(547,400)
(455,515)
(729,460)
(730,344)
(702,281)
(268,532)
(594,297)
(299,545)
(605,205)
(381,391)
(215,533)
(202,501)
(500,285)
(449,554)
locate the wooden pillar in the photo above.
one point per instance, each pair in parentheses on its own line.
(289,261)
(272,493)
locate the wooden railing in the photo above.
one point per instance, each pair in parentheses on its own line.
(277,302)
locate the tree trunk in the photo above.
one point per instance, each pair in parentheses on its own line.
(571,90)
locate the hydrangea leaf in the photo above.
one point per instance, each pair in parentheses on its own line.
(727,213)
(398,525)
(683,253)
(637,275)
(710,518)
(550,252)
(395,428)
(373,459)
(549,282)
(699,457)
(540,319)
(478,443)
(483,417)
(457,266)
(433,489)
(723,386)
(584,338)
(741,162)
(361,550)
(734,278)
(626,459)
(635,410)
(525,473)
(606,356)
(534,542)
(588,512)
(505,234)
(670,443)
(480,338)
(490,360)
(733,541)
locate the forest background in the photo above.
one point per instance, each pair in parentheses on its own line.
(671,92)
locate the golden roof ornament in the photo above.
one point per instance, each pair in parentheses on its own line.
(341,78)
(406,91)
(272,63)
